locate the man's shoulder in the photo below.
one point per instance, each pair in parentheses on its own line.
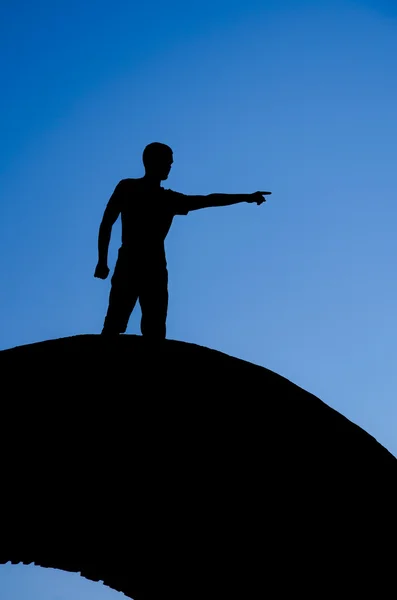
(127,188)
(178,202)
(128,183)
(173,193)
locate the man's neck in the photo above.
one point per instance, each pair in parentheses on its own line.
(151,181)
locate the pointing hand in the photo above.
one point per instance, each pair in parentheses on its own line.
(258,197)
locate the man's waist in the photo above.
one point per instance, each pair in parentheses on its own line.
(145,245)
(140,253)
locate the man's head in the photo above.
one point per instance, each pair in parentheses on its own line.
(157,159)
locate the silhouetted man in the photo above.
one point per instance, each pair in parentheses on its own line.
(147,211)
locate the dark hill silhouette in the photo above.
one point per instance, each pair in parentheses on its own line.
(175,471)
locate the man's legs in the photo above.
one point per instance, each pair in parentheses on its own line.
(122,298)
(153,298)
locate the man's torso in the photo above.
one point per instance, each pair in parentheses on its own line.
(146,217)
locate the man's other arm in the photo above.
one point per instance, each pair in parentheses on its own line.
(110,216)
(214,200)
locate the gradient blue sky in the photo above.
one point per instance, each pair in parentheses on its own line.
(296,97)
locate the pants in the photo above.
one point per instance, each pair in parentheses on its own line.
(133,280)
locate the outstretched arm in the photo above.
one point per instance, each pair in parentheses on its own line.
(110,216)
(213,200)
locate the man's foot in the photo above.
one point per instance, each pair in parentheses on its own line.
(110,334)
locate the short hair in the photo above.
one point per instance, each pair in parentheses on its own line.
(154,151)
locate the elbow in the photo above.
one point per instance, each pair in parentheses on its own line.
(105,226)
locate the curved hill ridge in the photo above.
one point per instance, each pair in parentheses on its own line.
(176,470)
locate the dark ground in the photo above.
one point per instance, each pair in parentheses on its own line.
(180,472)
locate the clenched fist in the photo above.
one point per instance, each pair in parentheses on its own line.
(101,271)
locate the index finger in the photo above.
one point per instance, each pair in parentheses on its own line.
(265,193)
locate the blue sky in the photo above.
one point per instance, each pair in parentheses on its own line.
(295,97)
